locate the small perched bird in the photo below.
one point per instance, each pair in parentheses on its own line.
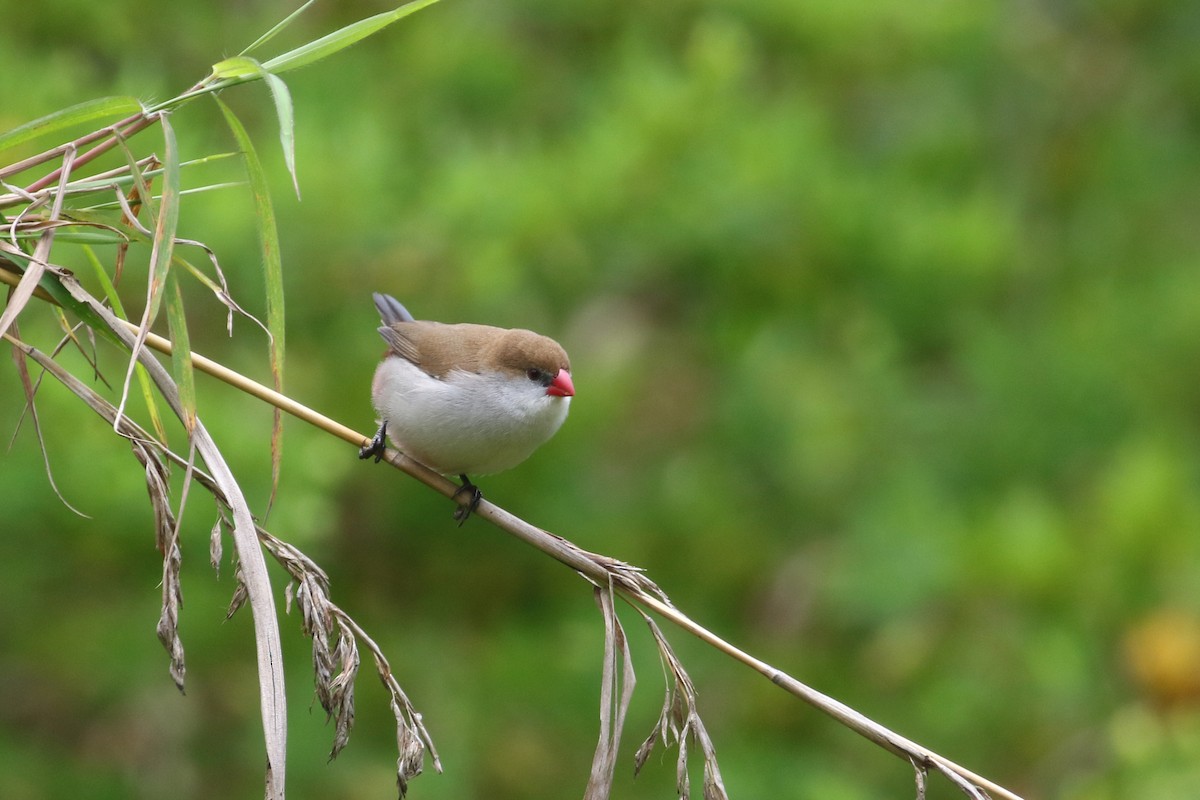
(466,399)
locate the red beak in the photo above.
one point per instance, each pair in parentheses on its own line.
(561,386)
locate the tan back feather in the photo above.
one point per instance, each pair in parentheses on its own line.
(437,348)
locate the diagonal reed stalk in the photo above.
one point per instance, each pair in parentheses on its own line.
(626,581)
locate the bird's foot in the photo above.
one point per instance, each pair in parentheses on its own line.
(470,503)
(377,446)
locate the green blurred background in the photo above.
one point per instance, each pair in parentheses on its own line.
(885,322)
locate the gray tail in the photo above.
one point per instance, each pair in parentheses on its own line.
(390,309)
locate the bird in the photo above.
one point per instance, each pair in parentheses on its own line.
(465,399)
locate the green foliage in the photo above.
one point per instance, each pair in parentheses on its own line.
(884,330)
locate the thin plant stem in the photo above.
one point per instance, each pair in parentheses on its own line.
(600,570)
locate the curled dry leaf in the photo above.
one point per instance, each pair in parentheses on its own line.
(616,692)
(341,691)
(336,660)
(167,541)
(411,760)
(314,621)
(679,722)
(215,548)
(240,593)
(168,621)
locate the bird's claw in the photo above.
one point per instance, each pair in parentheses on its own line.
(465,507)
(377,446)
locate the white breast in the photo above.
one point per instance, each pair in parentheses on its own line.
(471,424)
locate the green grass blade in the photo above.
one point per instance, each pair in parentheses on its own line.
(166,221)
(268,234)
(268,237)
(72,115)
(81,234)
(240,66)
(266,37)
(227,73)
(236,67)
(181,352)
(340,39)
(287,124)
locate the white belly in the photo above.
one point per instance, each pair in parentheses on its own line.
(471,424)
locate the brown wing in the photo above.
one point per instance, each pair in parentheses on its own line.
(400,343)
(437,348)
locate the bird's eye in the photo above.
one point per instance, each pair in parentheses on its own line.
(534,374)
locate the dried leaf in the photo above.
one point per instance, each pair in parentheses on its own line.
(680,723)
(168,621)
(342,691)
(289,595)
(216,547)
(616,692)
(412,754)
(167,542)
(240,594)
(921,773)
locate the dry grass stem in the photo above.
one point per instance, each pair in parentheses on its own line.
(334,657)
